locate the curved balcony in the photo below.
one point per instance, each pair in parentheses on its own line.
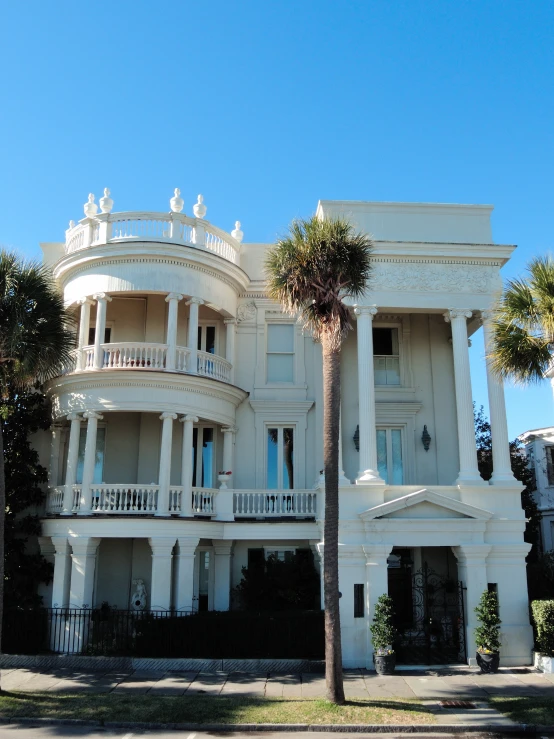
(170,228)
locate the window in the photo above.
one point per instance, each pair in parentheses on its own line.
(98,462)
(358,601)
(206,339)
(386,356)
(283,555)
(389,455)
(280,352)
(549,451)
(203,457)
(280,458)
(92,334)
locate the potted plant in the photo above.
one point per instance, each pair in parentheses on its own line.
(224,477)
(487,635)
(383,636)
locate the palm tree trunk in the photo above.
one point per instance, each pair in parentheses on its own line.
(331,420)
(2,532)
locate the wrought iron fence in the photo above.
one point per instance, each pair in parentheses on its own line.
(220,635)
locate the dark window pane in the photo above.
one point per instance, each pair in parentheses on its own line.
(193,460)
(207,458)
(199,342)
(382,341)
(272,448)
(210,339)
(288,459)
(358,601)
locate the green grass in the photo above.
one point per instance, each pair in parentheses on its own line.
(212,709)
(525,710)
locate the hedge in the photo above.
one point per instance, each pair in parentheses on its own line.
(543,618)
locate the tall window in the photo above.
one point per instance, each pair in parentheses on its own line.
(203,458)
(99,459)
(386,356)
(280,458)
(206,339)
(549,451)
(92,334)
(389,455)
(280,352)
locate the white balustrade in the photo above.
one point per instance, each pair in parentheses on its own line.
(275,503)
(54,500)
(76,497)
(88,360)
(213,366)
(130,355)
(175,494)
(124,498)
(174,228)
(182,359)
(203,501)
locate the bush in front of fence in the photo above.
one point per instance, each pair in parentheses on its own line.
(543,620)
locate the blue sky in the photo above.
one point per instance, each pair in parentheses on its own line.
(265,107)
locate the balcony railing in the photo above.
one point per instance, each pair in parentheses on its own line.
(124,499)
(172,228)
(149,356)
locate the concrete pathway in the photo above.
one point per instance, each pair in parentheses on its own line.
(429,686)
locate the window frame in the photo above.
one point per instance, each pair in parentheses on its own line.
(402,323)
(197,471)
(293,353)
(388,428)
(280,461)
(204,324)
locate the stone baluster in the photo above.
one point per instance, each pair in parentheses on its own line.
(165,464)
(72,460)
(172,317)
(193,304)
(102,300)
(366,397)
(89,462)
(469,472)
(187,463)
(84,328)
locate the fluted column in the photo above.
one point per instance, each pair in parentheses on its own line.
(187,463)
(230,336)
(84,326)
(228,444)
(193,304)
(72,459)
(501,463)
(102,300)
(165,464)
(366,397)
(469,473)
(92,418)
(53,468)
(171,339)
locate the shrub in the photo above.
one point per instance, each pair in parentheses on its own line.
(383,631)
(543,618)
(487,636)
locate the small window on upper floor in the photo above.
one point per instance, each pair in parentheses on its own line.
(280,352)
(549,452)
(386,356)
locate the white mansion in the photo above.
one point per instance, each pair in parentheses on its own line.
(189,430)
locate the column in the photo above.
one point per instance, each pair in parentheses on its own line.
(228,449)
(343,480)
(193,304)
(102,300)
(230,337)
(502,467)
(469,473)
(187,463)
(162,509)
(171,338)
(83,564)
(352,567)
(92,418)
(48,551)
(472,571)
(72,459)
(62,572)
(222,574)
(53,468)
(160,586)
(377,583)
(84,327)
(185,573)
(366,397)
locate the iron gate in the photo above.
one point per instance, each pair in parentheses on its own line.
(431,626)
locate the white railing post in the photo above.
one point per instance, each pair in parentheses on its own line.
(230,336)
(104,228)
(199,233)
(102,300)
(187,464)
(165,463)
(193,304)
(72,459)
(84,328)
(172,318)
(89,461)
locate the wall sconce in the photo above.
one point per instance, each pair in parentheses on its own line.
(426,439)
(356,438)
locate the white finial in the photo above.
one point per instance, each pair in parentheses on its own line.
(199,208)
(237,233)
(71,225)
(176,203)
(90,208)
(106,203)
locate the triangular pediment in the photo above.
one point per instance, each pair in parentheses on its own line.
(425,504)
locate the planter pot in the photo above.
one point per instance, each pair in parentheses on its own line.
(543,662)
(488,662)
(384,664)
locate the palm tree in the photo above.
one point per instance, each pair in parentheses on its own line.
(523,325)
(36,339)
(310,271)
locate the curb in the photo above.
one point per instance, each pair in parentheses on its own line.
(527,729)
